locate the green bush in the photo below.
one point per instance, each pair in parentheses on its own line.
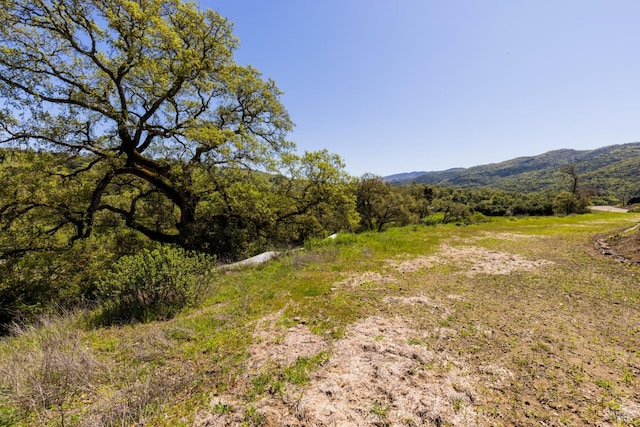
(478,218)
(152,285)
(432,220)
(567,203)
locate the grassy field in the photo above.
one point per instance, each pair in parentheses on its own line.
(510,322)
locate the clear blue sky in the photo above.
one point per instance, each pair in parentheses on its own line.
(409,85)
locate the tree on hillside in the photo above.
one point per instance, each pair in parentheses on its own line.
(570,171)
(143,103)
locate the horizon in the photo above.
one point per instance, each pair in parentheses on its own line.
(506,160)
(426,85)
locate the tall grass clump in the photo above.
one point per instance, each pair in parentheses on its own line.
(43,368)
(152,285)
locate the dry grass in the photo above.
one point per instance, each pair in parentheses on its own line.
(48,368)
(50,376)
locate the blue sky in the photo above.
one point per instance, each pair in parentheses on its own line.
(408,85)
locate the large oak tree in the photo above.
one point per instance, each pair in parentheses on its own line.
(143,103)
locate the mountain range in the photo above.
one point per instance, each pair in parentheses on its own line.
(613,170)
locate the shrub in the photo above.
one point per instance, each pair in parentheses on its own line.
(45,283)
(567,203)
(432,220)
(152,285)
(478,218)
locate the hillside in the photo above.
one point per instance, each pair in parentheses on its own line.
(511,322)
(613,170)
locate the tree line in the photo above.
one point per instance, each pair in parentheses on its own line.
(43,263)
(127,125)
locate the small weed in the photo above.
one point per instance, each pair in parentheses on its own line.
(447,322)
(522,363)
(380,410)
(446,366)
(267,382)
(457,387)
(252,417)
(604,384)
(613,405)
(222,408)
(298,373)
(474,349)
(261,384)
(276,387)
(541,347)
(577,373)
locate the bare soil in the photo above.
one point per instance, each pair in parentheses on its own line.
(379,374)
(625,246)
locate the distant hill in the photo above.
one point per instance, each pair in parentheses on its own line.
(613,171)
(411,176)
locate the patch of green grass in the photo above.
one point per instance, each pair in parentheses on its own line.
(311,288)
(577,373)
(266,382)
(252,417)
(605,384)
(8,416)
(222,408)
(380,410)
(298,373)
(273,379)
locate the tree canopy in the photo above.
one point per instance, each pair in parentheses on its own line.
(143,103)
